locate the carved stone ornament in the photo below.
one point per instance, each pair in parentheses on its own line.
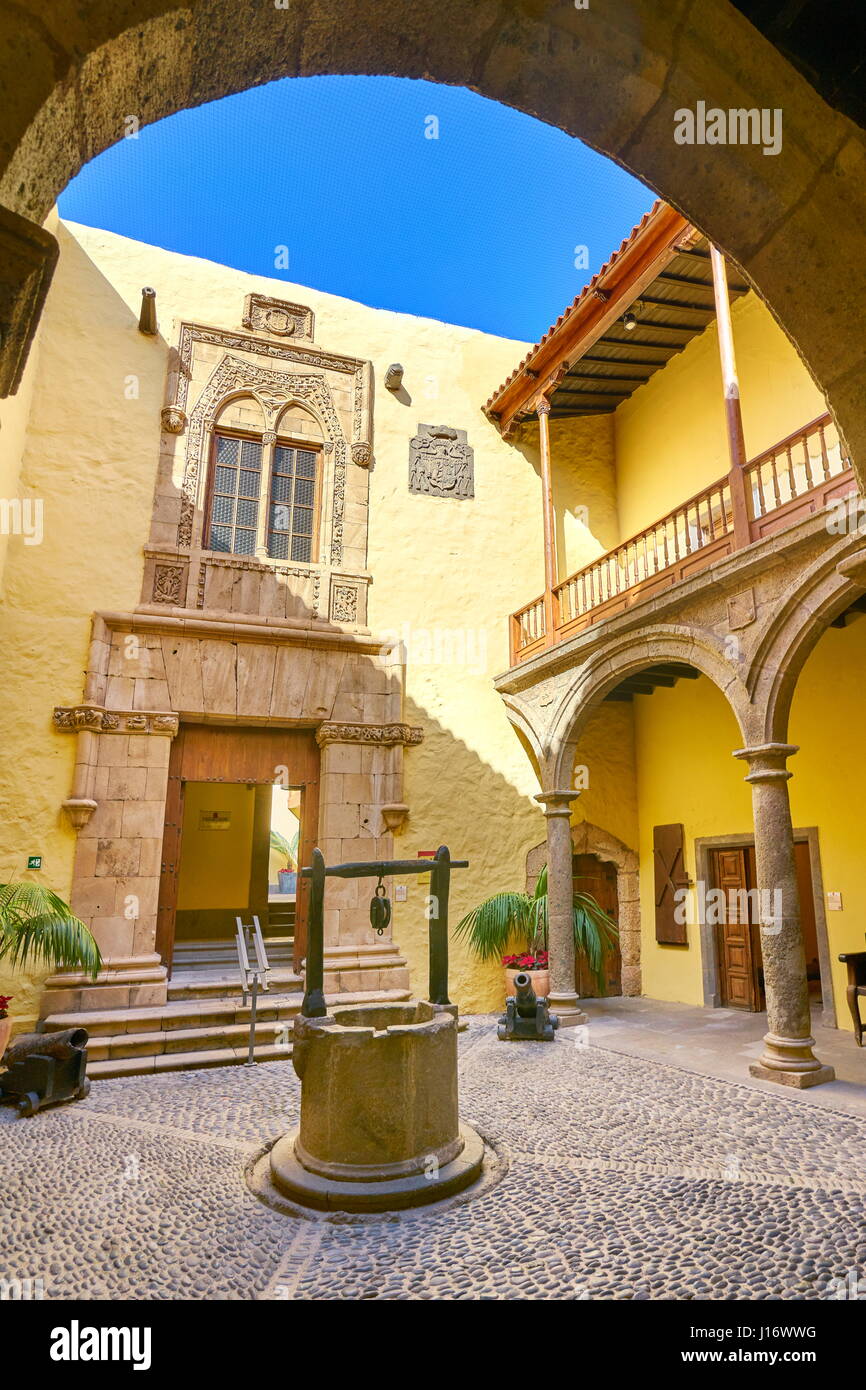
(94,719)
(395,815)
(173,419)
(741,610)
(278,317)
(344,603)
(362,454)
(385,734)
(78,810)
(168,584)
(441,463)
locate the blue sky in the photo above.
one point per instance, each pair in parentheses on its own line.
(477,227)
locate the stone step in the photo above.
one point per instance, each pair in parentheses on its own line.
(179,1042)
(203,984)
(204,1013)
(214,951)
(164,1018)
(185,1061)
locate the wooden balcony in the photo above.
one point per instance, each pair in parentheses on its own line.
(796,477)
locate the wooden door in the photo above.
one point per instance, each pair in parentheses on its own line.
(220,753)
(737,941)
(809,925)
(598,877)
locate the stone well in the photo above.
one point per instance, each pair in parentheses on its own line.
(379,1125)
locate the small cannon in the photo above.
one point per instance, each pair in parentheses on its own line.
(45,1069)
(527,1018)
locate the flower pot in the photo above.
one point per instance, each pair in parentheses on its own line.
(5,1030)
(540,981)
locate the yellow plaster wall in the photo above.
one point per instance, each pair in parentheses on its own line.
(215,864)
(446,574)
(605,763)
(583,476)
(684,738)
(670,435)
(828,772)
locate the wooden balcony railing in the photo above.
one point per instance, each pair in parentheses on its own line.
(797,476)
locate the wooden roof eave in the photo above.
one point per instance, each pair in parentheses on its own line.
(615,289)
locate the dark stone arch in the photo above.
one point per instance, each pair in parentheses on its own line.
(614,75)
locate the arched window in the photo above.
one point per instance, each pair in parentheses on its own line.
(233,502)
(293,520)
(264,499)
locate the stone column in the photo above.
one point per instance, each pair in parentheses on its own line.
(788,1057)
(560,898)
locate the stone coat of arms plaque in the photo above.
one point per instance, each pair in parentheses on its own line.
(441,462)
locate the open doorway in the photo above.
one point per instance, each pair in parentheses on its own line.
(241,814)
(238,858)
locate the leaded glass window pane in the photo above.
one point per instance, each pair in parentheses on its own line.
(293,499)
(234,507)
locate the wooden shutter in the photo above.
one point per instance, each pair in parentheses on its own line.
(670,875)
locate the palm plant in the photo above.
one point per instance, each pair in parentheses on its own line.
(288,848)
(37,925)
(509,918)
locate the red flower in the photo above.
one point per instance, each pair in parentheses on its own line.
(528,961)
(5,1001)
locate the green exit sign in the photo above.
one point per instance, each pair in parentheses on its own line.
(34,861)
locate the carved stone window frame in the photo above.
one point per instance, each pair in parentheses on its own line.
(275,389)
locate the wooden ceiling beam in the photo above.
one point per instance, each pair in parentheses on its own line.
(679,304)
(630,381)
(620,362)
(653,347)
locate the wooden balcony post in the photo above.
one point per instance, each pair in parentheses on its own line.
(542,408)
(733,413)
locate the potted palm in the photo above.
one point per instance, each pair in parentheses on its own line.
(520,919)
(38,926)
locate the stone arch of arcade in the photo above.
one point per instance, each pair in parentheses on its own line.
(757,687)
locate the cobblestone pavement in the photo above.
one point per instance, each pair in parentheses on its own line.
(618,1177)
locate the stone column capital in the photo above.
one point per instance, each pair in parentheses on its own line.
(767,761)
(557,803)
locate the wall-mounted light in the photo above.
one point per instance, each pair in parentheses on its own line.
(629,319)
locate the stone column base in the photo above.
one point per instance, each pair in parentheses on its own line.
(791,1062)
(800,1080)
(567,1009)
